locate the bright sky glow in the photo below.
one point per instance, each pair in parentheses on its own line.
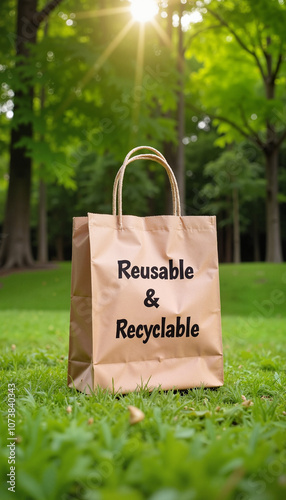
(144,10)
(193,17)
(188,18)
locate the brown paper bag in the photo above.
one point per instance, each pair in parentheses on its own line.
(145,303)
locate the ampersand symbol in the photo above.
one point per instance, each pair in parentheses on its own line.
(149,301)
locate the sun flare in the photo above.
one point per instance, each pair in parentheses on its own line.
(141,11)
(144,10)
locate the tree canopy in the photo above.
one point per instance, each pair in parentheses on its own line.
(82,84)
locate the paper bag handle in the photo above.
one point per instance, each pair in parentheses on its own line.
(159,158)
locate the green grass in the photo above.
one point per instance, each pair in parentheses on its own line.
(196,445)
(253,290)
(37,290)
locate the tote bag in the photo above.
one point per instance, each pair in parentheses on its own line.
(145,301)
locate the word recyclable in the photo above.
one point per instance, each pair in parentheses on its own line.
(159,330)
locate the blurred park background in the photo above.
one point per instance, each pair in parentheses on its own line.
(84,82)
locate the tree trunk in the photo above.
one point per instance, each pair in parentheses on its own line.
(16,246)
(15,250)
(60,248)
(168,147)
(180,165)
(42,208)
(175,154)
(236,227)
(273,235)
(220,242)
(42,225)
(228,244)
(256,246)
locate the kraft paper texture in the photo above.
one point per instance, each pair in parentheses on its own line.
(112,315)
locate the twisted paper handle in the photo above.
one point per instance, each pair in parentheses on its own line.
(118,182)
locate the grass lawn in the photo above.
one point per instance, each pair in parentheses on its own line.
(207,444)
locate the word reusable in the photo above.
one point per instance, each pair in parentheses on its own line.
(125,269)
(159,330)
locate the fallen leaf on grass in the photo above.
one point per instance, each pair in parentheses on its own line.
(246,402)
(268,398)
(136,415)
